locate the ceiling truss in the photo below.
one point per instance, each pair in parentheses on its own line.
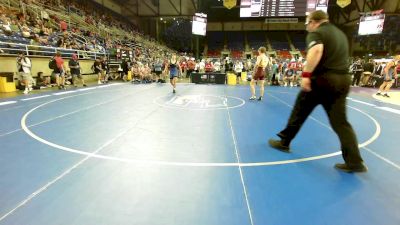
(159,8)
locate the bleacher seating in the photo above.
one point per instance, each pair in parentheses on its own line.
(278,40)
(284,54)
(82,33)
(236,54)
(235,40)
(213,54)
(256,40)
(298,40)
(215,40)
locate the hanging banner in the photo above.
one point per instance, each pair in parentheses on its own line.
(229,4)
(343,3)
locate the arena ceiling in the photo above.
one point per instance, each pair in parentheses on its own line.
(214,8)
(350,15)
(158,8)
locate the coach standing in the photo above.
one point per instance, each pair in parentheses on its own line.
(325,81)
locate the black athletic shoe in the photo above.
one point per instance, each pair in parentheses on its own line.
(174,91)
(260,98)
(351,169)
(386,95)
(279,145)
(378,94)
(85,85)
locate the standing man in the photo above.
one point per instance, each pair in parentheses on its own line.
(366,76)
(98,69)
(259,74)
(325,81)
(158,69)
(75,69)
(238,68)
(59,70)
(191,67)
(105,69)
(357,70)
(24,66)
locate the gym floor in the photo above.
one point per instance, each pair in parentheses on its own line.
(138,154)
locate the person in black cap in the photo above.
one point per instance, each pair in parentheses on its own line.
(325,81)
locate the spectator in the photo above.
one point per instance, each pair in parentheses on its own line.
(275,73)
(42,81)
(105,69)
(24,66)
(6,26)
(25,31)
(238,68)
(98,70)
(158,69)
(59,70)
(75,69)
(366,76)
(63,26)
(357,71)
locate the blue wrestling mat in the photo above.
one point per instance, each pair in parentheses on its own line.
(138,154)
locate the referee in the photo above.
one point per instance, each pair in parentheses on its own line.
(325,81)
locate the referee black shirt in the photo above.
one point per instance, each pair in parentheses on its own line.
(336,49)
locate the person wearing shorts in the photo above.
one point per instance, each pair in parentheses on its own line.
(59,71)
(174,68)
(75,69)
(158,69)
(238,68)
(24,69)
(259,74)
(98,70)
(390,74)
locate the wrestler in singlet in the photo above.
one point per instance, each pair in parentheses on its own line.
(259,74)
(390,74)
(173,71)
(259,70)
(173,68)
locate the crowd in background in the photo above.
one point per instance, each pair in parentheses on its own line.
(148,59)
(49,23)
(368,73)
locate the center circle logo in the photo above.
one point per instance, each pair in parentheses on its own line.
(199,102)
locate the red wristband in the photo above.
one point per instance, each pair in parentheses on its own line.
(306,74)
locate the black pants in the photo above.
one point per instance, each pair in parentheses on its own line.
(189,72)
(274,80)
(356,78)
(329,90)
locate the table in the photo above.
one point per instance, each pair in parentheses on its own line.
(208,78)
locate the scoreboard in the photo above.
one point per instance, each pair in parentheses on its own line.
(199,24)
(280,8)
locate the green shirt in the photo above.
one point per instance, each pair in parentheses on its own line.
(336,48)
